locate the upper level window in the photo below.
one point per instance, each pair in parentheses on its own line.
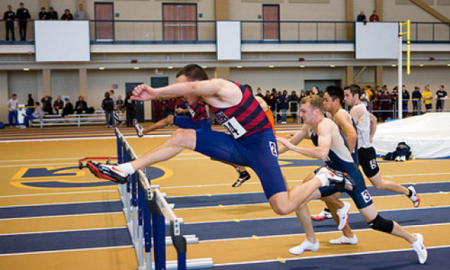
(179,21)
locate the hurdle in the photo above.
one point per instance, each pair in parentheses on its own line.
(148,213)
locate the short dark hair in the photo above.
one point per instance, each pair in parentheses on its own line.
(193,72)
(249,87)
(335,92)
(354,88)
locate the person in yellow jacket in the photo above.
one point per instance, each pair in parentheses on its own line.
(427,97)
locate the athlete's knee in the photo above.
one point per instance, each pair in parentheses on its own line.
(381,224)
(279,204)
(182,137)
(168,120)
(281,210)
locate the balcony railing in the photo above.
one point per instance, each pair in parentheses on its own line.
(191,32)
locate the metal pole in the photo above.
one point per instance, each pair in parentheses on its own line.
(400,82)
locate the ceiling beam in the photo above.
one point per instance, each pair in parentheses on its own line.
(430,10)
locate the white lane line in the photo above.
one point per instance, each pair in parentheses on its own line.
(64,250)
(59,193)
(71,215)
(58,203)
(63,231)
(318,233)
(327,256)
(258,183)
(285,217)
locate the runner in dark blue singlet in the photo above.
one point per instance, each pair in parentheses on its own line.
(331,148)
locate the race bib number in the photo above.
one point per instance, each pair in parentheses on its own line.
(273,149)
(234,128)
(366,196)
(191,111)
(373,164)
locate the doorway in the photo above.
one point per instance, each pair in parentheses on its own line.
(104,29)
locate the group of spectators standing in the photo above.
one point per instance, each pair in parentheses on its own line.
(111,105)
(362,17)
(37,110)
(282,102)
(22,16)
(384,103)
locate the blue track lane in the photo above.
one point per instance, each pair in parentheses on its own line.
(180,202)
(60,209)
(32,242)
(249,198)
(283,226)
(407,260)
(64,240)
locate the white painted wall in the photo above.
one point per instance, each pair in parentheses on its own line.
(286,78)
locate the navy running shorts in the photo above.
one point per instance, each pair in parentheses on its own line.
(360,195)
(183,121)
(258,151)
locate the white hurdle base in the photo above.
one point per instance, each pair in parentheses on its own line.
(202,263)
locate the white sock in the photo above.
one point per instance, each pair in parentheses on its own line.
(127,168)
(323,179)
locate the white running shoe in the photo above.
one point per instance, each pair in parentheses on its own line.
(414,197)
(139,129)
(325,214)
(420,249)
(343,215)
(305,246)
(344,240)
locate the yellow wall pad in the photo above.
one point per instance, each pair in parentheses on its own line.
(271,248)
(91,259)
(63,197)
(264,211)
(63,223)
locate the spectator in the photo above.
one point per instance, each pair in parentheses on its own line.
(47,104)
(267,96)
(416,101)
(81,14)
(81,105)
(405,100)
(293,102)
(68,108)
(58,105)
(67,16)
(361,17)
(284,106)
(119,103)
(369,92)
(441,96)
(9,16)
(114,98)
(52,14)
(13,105)
(316,91)
(30,103)
(427,97)
(130,105)
(22,15)
(259,93)
(38,113)
(385,103)
(43,14)
(108,107)
(374,17)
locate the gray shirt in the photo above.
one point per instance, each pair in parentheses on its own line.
(81,15)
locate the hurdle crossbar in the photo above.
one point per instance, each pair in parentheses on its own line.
(147,213)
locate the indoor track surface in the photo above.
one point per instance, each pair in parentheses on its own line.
(55,216)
